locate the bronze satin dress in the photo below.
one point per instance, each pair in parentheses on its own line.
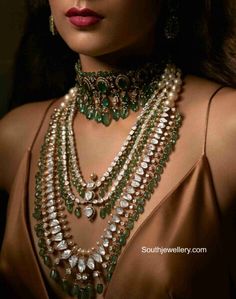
(189,216)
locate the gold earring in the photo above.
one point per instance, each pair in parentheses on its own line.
(52,25)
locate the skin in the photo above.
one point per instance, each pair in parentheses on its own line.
(127,29)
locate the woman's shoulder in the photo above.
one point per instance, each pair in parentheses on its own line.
(17,130)
(220,137)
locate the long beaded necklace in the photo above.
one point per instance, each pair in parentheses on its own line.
(120,194)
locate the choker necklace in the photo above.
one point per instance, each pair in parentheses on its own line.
(105,96)
(120,194)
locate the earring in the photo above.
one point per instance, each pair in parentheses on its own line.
(52,25)
(172,25)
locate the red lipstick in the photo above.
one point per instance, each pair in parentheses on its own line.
(83,17)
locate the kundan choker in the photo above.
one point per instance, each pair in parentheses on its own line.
(119,195)
(106,95)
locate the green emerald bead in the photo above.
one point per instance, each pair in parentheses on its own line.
(127,233)
(136,216)
(140,209)
(106,119)
(98,116)
(105,102)
(109,276)
(42,243)
(69,208)
(102,192)
(66,286)
(159,169)
(54,274)
(103,213)
(37,214)
(47,261)
(78,212)
(99,288)
(114,259)
(90,114)
(124,113)
(40,233)
(122,239)
(83,293)
(42,252)
(134,106)
(115,114)
(140,201)
(102,86)
(130,224)
(108,208)
(123,83)
(75,291)
(91,291)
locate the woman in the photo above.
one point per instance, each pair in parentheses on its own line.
(151,198)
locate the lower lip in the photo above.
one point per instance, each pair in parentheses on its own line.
(80,21)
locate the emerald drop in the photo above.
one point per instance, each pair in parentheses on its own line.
(54,274)
(103,213)
(99,288)
(106,119)
(78,212)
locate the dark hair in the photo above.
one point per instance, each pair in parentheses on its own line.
(205,46)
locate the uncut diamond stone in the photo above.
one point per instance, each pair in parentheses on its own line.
(112,227)
(124,204)
(166,109)
(90,263)
(115,218)
(51,209)
(161,125)
(54,222)
(163,120)
(164,114)
(146,159)
(140,171)
(62,245)
(108,234)
(101,250)
(89,195)
(157,136)
(52,215)
(144,165)
(151,147)
(56,229)
(73,261)
(130,190)
(105,242)
(128,196)
(154,141)
(51,196)
(90,185)
(81,265)
(84,276)
(135,184)
(159,131)
(58,237)
(66,254)
(119,211)
(150,153)
(137,178)
(88,211)
(50,203)
(97,257)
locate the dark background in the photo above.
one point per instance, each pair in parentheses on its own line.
(11,26)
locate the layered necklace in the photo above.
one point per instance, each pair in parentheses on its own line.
(119,196)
